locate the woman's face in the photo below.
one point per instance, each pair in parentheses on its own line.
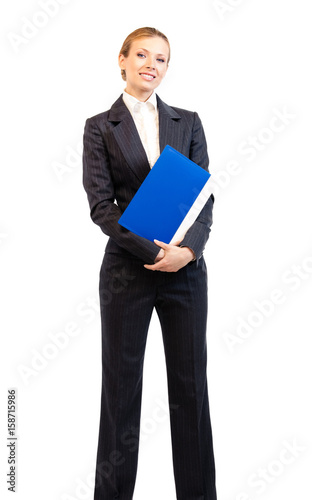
(145,66)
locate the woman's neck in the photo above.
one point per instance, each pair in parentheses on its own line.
(142,96)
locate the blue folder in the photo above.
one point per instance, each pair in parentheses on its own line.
(169,199)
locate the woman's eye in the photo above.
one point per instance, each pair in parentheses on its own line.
(161,60)
(141,55)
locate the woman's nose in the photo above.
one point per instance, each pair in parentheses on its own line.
(150,64)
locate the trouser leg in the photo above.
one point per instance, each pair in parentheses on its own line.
(182,309)
(126,299)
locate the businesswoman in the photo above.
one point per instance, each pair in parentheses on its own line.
(121,145)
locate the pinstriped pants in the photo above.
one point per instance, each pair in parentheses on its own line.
(128,295)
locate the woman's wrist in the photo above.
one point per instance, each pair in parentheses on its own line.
(192,253)
(160,255)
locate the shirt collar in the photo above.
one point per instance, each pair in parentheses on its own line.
(130,101)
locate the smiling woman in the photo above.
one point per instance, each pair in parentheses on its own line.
(121,145)
(136,35)
(144,60)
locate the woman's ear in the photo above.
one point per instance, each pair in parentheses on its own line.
(121,61)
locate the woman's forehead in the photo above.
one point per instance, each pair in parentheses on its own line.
(151,44)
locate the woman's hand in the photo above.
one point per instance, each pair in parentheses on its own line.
(171,257)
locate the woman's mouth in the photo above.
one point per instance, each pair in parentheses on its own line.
(147,76)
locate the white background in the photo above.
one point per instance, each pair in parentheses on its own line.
(237,63)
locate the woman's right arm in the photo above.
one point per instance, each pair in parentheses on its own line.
(99,186)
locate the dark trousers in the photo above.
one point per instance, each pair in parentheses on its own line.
(128,294)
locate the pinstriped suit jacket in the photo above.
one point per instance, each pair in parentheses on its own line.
(115,164)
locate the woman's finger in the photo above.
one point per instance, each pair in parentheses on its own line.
(161,244)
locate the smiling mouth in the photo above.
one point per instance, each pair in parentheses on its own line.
(147,76)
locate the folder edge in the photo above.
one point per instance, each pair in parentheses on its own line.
(194,211)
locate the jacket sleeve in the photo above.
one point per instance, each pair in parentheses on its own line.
(100,190)
(197,235)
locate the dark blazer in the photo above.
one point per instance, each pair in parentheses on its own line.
(115,164)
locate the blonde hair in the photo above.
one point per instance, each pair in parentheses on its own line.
(140,33)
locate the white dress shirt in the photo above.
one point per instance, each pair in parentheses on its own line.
(145,116)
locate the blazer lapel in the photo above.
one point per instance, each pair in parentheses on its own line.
(169,126)
(128,139)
